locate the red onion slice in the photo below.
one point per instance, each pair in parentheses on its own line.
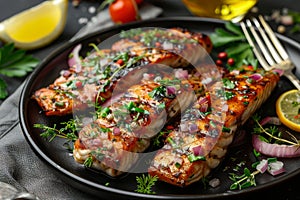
(270,120)
(279,71)
(198,150)
(75,58)
(256,77)
(181,74)
(275,150)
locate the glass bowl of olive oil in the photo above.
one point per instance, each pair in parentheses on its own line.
(220,9)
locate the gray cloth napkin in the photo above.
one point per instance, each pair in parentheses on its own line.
(20,166)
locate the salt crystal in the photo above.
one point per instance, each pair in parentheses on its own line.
(83,20)
(92,9)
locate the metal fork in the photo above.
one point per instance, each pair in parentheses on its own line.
(268,49)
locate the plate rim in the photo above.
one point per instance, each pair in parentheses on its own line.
(69,44)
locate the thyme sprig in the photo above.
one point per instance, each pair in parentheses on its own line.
(68,130)
(273,133)
(247,179)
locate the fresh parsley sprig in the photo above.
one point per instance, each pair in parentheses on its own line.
(145,183)
(14,63)
(231,39)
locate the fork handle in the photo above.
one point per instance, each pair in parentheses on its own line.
(291,76)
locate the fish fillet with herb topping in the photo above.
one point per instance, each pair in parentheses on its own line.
(125,128)
(206,130)
(95,77)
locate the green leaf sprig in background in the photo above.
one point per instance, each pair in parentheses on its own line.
(231,39)
(14,63)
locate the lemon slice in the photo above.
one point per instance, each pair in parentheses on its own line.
(288,109)
(37,26)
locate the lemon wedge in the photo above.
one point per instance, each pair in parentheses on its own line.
(37,26)
(288,109)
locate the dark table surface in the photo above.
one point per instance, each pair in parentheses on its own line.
(286,190)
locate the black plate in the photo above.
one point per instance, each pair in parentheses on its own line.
(57,156)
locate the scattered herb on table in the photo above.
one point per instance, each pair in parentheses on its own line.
(231,39)
(145,183)
(14,63)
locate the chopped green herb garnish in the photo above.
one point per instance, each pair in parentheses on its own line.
(192,157)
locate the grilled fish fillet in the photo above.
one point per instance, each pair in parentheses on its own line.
(114,140)
(96,77)
(180,47)
(201,141)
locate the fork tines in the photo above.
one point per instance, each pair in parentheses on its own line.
(270,50)
(267,48)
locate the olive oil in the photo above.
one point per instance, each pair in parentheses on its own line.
(221,9)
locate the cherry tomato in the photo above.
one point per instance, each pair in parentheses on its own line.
(123,11)
(138,2)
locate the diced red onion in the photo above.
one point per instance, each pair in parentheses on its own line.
(203,100)
(275,150)
(171,90)
(198,150)
(146,76)
(204,108)
(270,120)
(181,74)
(262,166)
(184,127)
(96,142)
(75,59)
(193,128)
(279,71)
(65,73)
(116,131)
(276,168)
(167,45)
(256,77)
(235,72)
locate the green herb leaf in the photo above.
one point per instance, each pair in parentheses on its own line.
(145,183)
(15,63)
(232,40)
(3,91)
